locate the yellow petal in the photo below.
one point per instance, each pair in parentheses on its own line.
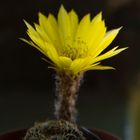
(73,22)
(83,27)
(51,53)
(54,31)
(109,37)
(31,31)
(49,27)
(80,42)
(64,26)
(89,67)
(30,28)
(36,39)
(42,33)
(108,54)
(100,67)
(34,35)
(53,22)
(42,19)
(97,30)
(78,64)
(97,18)
(64,62)
(97,33)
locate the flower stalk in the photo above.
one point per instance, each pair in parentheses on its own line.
(67,87)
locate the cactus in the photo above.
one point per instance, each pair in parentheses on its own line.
(54,130)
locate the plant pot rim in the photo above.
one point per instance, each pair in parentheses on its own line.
(20,133)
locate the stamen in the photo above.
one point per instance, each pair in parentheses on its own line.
(77,48)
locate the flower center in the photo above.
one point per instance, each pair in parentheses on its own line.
(77,48)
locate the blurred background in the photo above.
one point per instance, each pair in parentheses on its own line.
(27,85)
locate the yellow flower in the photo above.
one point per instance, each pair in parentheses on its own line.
(73,46)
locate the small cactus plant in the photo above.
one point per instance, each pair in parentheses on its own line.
(54,130)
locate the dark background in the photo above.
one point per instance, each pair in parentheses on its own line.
(27,85)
